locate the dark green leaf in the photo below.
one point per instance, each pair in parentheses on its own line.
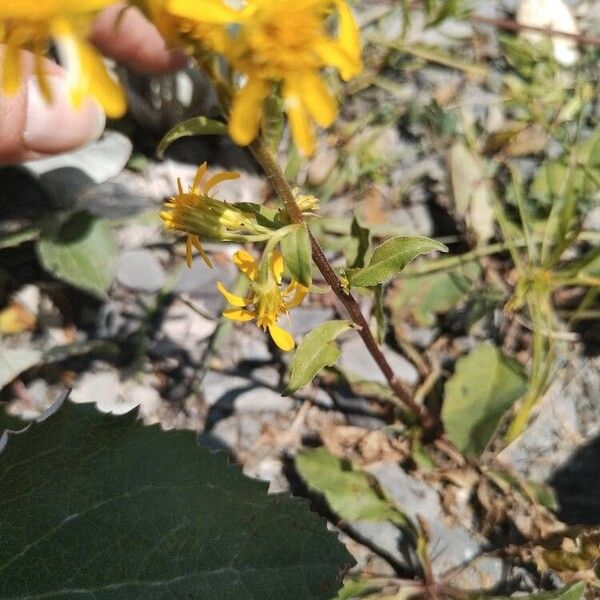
(315,352)
(297,255)
(100,507)
(390,258)
(350,493)
(484,386)
(195,126)
(80,251)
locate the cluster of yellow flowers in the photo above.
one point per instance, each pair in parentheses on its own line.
(200,215)
(268,44)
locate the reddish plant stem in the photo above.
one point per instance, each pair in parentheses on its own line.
(279,183)
(509,25)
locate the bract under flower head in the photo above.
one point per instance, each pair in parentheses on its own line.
(267,300)
(33,26)
(287,42)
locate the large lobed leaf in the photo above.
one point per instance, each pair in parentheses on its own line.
(95,507)
(484,386)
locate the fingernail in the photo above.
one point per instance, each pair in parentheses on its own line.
(57,125)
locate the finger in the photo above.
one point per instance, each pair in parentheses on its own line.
(31,127)
(131,39)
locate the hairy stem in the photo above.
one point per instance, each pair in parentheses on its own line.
(283,189)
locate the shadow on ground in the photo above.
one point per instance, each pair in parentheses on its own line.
(577,485)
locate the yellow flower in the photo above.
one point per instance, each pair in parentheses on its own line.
(198,213)
(171,19)
(35,25)
(287,42)
(266,301)
(201,216)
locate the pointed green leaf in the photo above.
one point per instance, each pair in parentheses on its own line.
(297,255)
(390,258)
(80,251)
(315,352)
(195,126)
(100,507)
(484,386)
(350,493)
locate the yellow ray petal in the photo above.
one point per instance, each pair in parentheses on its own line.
(301,128)
(238,314)
(300,292)
(281,337)
(246,263)
(318,99)
(206,11)
(199,177)
(196,241)
(246,111)
(277,266)
(11,69)
(188,251)
(218,178)
(231,298)
(348,35)
(332,53)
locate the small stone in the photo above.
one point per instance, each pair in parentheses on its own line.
(140,270)
(262,400)
(321,166)
(356,361)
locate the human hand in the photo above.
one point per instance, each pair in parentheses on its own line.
(32,128)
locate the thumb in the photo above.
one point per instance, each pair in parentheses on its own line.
(31,127)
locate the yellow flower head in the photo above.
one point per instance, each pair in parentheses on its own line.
(200,215)
(34,25)
(267,301)
(171,17)
(287,42)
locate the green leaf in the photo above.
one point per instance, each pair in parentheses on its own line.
(100,507)
(571,592)
(359,243)
(195,126)
(390,258)
(354,588)
(81,251)
(16,238)
(484,386)
(315,352)
(426,296)
(297,255)
(350,493)
(13,361)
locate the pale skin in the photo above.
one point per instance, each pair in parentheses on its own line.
(31,129)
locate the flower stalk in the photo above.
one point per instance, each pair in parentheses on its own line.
(274,174)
